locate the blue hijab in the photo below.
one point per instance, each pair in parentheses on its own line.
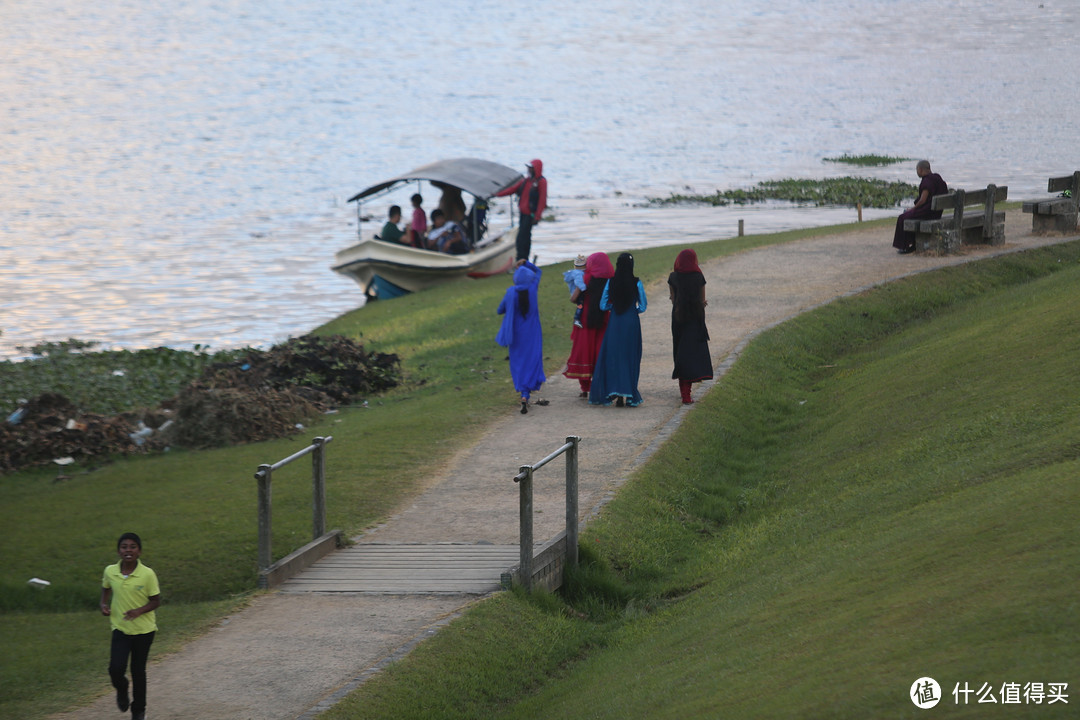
(520,330)
(519,304)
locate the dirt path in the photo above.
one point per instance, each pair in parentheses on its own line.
(288,655)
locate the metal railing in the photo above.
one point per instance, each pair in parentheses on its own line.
(265,475)
(524,479)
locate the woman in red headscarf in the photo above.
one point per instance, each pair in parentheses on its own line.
(586,340)
(689,335)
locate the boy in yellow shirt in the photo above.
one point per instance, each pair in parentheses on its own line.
(129,596)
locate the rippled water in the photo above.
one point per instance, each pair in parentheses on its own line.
(175,173)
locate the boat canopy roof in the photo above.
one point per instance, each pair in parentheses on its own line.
(480,178)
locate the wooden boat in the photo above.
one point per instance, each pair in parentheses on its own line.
(386,269)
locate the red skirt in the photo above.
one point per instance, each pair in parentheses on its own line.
(583,351)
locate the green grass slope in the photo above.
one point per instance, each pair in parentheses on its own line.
(880,490)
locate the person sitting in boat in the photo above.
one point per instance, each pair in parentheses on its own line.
(446,236)
(390,231)
(416,232)
(451,202)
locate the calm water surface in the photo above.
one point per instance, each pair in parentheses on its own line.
(175,173)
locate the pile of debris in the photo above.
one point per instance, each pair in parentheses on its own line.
(50,428)
(264,395)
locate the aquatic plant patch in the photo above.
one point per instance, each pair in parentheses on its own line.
(867,160)
(847,191)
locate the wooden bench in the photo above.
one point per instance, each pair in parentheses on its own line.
(947,234)
(1056,215)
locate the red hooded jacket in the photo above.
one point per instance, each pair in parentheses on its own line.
(524,188)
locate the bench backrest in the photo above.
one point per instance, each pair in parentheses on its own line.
(1069,182)
(959,199)
(992,194)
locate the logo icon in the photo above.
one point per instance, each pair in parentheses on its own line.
(925,693)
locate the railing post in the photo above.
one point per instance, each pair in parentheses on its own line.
(525,508)
(318,489)
(264,476)
(572,501)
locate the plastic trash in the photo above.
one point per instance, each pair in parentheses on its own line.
(118,373)
(64,460)
(38,583)
(139,436)
(16,417)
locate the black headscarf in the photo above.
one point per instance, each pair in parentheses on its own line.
(623,290)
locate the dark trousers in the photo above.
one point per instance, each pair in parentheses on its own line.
(138,648)
(904,239)
(524,236)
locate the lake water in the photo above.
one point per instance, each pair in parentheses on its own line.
(176,173)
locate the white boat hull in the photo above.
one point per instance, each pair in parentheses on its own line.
(413,269)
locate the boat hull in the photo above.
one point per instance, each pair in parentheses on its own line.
(412,269)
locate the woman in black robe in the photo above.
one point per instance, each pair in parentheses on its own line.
(689,335)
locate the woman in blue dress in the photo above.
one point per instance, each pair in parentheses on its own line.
(520,332)
(618,365)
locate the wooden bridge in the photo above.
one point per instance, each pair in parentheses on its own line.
(408,569)
(400,568)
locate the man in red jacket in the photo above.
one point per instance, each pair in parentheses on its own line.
(533,201)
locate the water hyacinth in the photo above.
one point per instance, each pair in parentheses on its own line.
(869,192)
(867,160)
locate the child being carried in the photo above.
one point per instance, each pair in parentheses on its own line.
(575,280)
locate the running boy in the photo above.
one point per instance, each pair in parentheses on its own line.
(129,597)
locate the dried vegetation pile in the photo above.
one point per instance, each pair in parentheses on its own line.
(257,395)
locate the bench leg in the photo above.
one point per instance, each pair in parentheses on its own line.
(998,235)
(943,241)
(950,241)
(927,242)
(1053,224)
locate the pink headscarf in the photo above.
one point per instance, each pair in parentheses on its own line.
(598,266)
(686,262)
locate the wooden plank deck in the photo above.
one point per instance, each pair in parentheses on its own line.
(408,569)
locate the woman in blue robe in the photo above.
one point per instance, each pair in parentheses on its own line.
(520,332)
(618,365)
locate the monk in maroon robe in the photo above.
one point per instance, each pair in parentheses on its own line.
(931,185)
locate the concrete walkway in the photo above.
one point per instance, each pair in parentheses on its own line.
(290,654)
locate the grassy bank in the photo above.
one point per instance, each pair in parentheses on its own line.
(196,509)
(880,490)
